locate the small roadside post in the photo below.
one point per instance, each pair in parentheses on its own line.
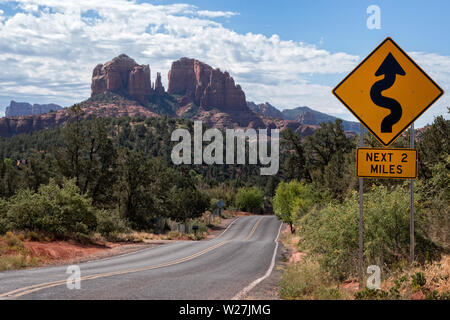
(195,228)
(361,216)
(411,206)
(220,204)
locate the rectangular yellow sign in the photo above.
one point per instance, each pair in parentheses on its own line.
(386,163)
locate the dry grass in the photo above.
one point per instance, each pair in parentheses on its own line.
(437,276)
(306,281)
(289,240)
(13,254)
(303,279)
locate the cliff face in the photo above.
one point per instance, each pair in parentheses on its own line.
(25,109)
(221,103)
(123,75)
(206,87)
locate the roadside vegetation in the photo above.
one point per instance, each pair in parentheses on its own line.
(13,254)
(321,204)
(100,180)
(103,180)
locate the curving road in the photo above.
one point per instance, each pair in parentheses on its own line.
(222,268)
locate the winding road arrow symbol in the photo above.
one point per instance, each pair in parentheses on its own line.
(390,68)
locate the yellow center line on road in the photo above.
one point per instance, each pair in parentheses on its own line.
(253,229)
(30,289)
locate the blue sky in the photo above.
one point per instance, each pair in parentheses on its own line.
(417,24)
(289,53)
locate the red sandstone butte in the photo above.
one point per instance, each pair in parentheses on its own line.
(122,75)
(206,87)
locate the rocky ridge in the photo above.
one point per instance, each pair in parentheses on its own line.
(16,109)
(122,87)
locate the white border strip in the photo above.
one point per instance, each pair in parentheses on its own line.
(244,291)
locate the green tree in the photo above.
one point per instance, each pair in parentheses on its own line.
(434,146)
(250,199)
(145,188)
(89,156)
(37,171)
(326,152)
(187,203)
(292,200)
(10,178)
(100,170)
(70,158)
(294,165)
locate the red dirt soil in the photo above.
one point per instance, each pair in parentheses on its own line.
(61,250)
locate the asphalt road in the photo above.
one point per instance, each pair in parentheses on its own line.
(225,267)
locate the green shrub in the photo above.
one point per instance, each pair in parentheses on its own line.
(13,241)
(16,261)
(3,219)
(53,210)
(371,294)
(173,235)
(224,192)
(250,199)
(331,233)
(434,201)
(418,280)
(109,222)
(202,227)
(34,236)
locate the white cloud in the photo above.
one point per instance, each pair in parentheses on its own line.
(216,14)
(49,48)
(438,68)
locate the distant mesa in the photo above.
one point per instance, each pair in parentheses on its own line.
(16,109)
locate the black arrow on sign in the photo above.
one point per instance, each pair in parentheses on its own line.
(390,68)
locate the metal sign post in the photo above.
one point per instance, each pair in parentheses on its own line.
(361,243)
(411,206)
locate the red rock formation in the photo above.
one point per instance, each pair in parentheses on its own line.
(206,87)
(122,75)
(159,88)
(139,83)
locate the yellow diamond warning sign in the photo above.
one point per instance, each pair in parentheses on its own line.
(387,92)
(386,163)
